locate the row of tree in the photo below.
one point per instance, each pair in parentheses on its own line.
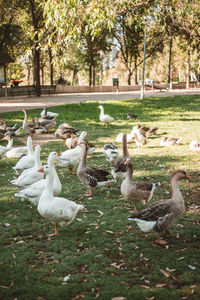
(76,33)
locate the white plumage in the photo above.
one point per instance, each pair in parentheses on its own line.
(106,119)
(56,209)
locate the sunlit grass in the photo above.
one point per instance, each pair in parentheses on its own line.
(105,255)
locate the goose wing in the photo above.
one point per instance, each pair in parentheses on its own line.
(154,211)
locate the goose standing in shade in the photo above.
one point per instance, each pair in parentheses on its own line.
(90,176)
(136,191)
(31,127)
(34,191)
(110,151)
(119,169)
(159,215)
(27,161)
(3,149)
(30,175)
(56,209)
(106,119)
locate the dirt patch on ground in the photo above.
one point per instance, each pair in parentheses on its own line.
(40,139)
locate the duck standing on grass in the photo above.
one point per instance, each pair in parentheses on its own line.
(159,215)
(105,118)
(90,176)
(136,191)
(56,209)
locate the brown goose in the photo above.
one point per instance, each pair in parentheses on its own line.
(152,131)
(31,127)
(136,191)
(159,215)
(90,176)
(119,169)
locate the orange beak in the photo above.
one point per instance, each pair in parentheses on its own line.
(59,154)
(41,169)
(188,176)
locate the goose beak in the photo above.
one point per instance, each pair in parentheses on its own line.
(126,162)
(59,154)
(41,170)
(188,176)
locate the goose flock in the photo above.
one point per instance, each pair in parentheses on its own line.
(40,184)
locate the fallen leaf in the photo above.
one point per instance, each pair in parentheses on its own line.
(192,267)
(159,285)
(119,298)
(66,278)
(165,273)
(144,286)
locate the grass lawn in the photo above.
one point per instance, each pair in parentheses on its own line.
(104,254)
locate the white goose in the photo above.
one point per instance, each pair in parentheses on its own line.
(105,118)
(56,209)
(31,175)
(4,150)
(110,152)
(27,161)
(70,158)
(16,152)
(44,113)
(34,191)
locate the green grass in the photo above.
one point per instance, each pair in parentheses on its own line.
(106,256)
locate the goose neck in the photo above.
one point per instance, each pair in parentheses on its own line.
(83,157)
(29,147)
(176,193)
(38,163)
(10,144)
(125,149)
(48,190)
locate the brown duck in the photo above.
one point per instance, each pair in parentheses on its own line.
(119,169)
(90,176)
(160,215)
(136,191)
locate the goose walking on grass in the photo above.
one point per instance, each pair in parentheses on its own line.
(71,157)
(136,191)
(3,149)
(119,169)
(57,210)
(33,192)
(30,175)
(110,152)
(159,215)
(90,176)
(45,113)
(106,119)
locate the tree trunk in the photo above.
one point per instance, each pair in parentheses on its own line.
(51,67)
(90,75)
(37,71)
(93,74)
(135,71)
(188,67)
(129,77)
(170,64)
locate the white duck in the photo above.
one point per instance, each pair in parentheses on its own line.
(27,161)
(34,191)
(105,118)
(110,151)
(56,209)
(70,158)
(31,175)
(3,149)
